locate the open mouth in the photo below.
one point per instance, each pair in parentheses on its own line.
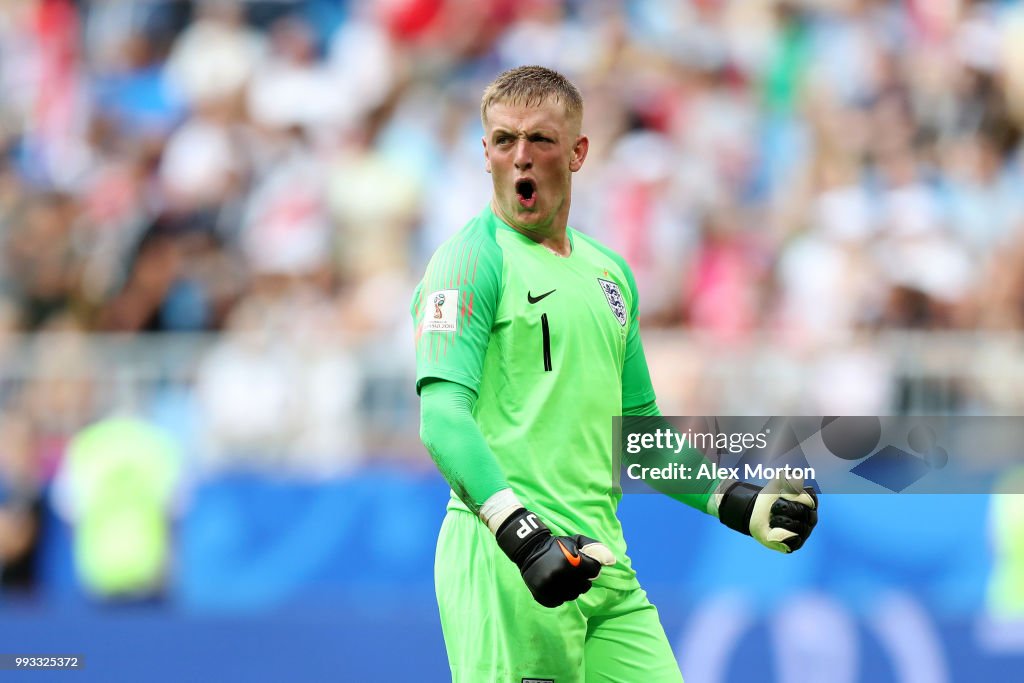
(526,192)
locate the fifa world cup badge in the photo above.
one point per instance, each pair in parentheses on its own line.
(446,311)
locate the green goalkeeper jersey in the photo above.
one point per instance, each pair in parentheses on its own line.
(552,349)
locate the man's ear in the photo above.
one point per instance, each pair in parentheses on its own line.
(487,157)
(579,153)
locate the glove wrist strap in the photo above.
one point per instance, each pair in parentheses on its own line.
(519,533)
(737,506)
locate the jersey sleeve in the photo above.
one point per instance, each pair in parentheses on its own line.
(454,306)
(456,444)
(637,389)
(695,492)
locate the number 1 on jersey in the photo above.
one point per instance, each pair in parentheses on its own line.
(547,341)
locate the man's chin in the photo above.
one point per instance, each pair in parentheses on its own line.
(520,216)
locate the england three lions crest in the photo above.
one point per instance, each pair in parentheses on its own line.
(614,297)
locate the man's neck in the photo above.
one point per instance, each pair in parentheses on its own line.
(557,243)
(554,237)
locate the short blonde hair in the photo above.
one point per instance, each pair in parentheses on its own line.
(531,86)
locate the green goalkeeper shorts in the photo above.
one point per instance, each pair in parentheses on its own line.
(495,631)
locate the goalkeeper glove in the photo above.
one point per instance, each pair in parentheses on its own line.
(556,569)
(781,515)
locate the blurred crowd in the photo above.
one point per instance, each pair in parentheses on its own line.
(278,172)
(801,166)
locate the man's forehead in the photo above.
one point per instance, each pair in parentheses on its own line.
(547,114)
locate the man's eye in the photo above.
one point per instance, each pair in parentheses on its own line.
(503,140)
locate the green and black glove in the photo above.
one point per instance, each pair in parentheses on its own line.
(556,569)
(780,515)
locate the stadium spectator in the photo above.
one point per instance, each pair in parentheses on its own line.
(21,507)
(118,488)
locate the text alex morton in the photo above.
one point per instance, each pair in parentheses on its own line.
(712,471)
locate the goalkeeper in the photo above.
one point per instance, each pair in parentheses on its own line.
(527,344)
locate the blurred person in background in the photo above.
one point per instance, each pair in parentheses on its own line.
(278,391)
(62,390)
(40,259)
(1006,533)
(21,507)
(215,56)
(118,488)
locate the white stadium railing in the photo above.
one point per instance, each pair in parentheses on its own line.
(325,405)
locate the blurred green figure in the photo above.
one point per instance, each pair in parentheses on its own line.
(1006,587)
(117,488)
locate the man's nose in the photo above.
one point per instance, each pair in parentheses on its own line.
(523,158)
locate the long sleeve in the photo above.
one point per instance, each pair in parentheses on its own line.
(455,442)
(694,492)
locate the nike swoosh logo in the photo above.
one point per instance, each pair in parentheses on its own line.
(534,299)
(574,560)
